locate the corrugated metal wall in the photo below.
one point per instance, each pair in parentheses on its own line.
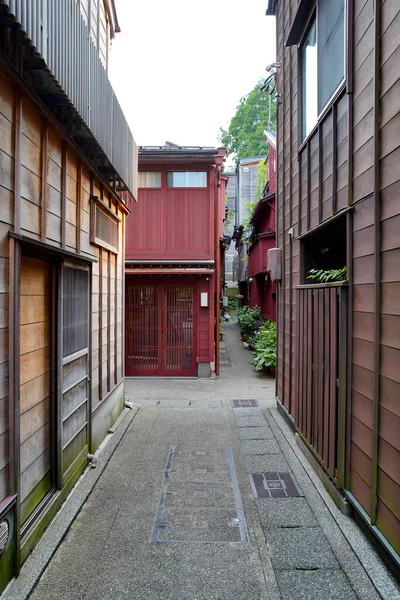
(61,37)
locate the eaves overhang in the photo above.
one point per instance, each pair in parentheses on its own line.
(53,52)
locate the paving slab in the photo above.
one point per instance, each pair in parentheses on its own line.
(266,463)
(315,585)
(285,512)
(302,548)
(256,433)
(260,447)
(251,421)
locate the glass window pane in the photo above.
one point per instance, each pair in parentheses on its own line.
(149,179)
(330,48)
(187,179)
(75,310)
(309,81)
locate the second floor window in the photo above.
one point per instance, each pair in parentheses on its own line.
(197,179)
(149,179)
(322,61)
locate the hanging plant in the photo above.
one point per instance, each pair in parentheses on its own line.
(327,275)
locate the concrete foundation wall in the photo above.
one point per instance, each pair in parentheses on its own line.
(106,415)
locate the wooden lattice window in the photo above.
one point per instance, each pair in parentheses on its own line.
(104,226)
(75,310)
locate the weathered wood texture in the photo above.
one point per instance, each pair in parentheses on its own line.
(351,160)
(35,405)
(42,179)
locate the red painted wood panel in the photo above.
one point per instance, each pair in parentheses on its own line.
(172,222)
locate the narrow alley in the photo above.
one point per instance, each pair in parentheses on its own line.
(175,515)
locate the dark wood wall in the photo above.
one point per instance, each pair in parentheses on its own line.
(349,165)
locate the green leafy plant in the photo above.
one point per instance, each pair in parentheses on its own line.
(265,346)
(327,275)
(233,303)
(250,320)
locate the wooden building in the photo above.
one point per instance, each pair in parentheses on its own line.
(174,240)
(65,152)
(261,290)
(338,85)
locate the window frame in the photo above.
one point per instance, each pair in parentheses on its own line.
(313,18)
(150,187)
(185,187)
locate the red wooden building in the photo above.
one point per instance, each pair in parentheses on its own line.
(174,240)
(261,290)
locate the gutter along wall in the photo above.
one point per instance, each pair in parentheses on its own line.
(343,179)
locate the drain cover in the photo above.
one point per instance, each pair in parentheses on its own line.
(244,403)
(4,532)
(275,485)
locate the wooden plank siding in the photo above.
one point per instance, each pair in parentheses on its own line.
(45,198)
(347,165)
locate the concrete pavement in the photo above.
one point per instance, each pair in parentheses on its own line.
(176,514)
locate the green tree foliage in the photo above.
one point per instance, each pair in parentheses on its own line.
(255,113)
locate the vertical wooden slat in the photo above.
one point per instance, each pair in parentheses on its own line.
(377,261)
(320,172)
(334,158)
(308,186)
(327,373)
(310,361)
(78,206)
(101,275)
(63,194)
(333,390)
(17,162)
(116,320)
(43,183)
(342,384)
(299,369)
(321,333)
(109,322)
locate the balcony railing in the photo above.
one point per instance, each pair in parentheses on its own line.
(71,73)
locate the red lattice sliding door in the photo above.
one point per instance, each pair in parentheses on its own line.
(160,329)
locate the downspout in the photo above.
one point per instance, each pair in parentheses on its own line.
(218,169)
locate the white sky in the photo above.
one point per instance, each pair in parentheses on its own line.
(180,67)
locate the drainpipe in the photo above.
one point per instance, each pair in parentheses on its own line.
(217,221)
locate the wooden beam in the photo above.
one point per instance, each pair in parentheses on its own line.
(43,190)
(14,384)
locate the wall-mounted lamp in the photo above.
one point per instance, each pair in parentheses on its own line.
(291,232)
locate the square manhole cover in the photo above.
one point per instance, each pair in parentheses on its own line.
(275,485)
(244,403)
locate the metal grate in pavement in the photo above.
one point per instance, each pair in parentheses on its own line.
(244,403)
(275,485)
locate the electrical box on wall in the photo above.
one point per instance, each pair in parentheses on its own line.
(225,301)
(274,263)
(204,299)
